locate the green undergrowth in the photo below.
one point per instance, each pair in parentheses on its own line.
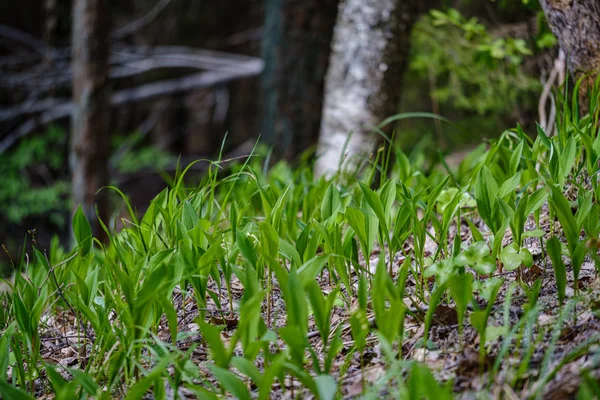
(260,284)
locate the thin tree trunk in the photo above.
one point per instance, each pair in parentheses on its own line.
(370,51)
(576,23)
(90,118)
(296,48)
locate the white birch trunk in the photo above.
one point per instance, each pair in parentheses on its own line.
(363,83)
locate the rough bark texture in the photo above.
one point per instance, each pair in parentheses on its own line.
(89,131)
(576,23)
(370,50)
(296,51)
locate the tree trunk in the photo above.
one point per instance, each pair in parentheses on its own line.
(296,48)
(576,24)
(370,51)
(90,119)
(57,30)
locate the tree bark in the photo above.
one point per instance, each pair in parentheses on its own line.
(576,24)
(90,118)
(370,51)
(296,48)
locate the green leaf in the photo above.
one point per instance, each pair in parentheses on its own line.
(8,391)
(5,350)
(246,248)
(560,271)
(477,256)
(290,252)
(509,186)
(59,384)
(85,380)
(513,257)
(230,382)
(359,327)
(461,290)
(515,159)
(247,368)
(321,307)
(326,387)
(442,270)
(189,218)
(473,254)
(140,388)
(82,231)
(434,301)
(212,336)
(332,202)
(387,195)
(486,194)
(567,158)
(536,200)
(479,320)
(270,239)
(375,203)
(310,269)
(296,304)
(423,385)
(562,208)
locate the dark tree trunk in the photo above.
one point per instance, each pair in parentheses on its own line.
(296,51)
(90,120)
(370,52)
(56,23)
(576,23)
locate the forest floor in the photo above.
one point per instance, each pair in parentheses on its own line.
(545,359)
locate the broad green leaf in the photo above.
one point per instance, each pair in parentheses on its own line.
(375,203)
(509,186)
(423,385)
(246,248)
(189,218)
(387,195)
(82,231)
(296,305)
(270,239)
(212,336)
(63,390)
(310,269)
(359,327)
(513,257)
(584,209)
(567,158)
(332,202)
(515,159)
(5,350)
(85,380)
(247,368)
(8,391)
(486,194)
(140,388)
(326,387)
(288,251)
(560,271)
(562,208)
(461,290)
(357,220)
(434,301)
(321,307)
(230,382)
(442,270)
(296,341)
(536,200)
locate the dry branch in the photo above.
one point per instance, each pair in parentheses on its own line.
(53,109)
